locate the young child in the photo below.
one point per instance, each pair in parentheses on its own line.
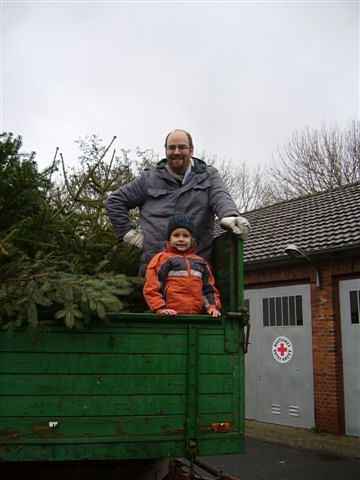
(178,281)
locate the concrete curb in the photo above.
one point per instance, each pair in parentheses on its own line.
(341,445)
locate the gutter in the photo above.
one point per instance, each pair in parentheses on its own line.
(318,256)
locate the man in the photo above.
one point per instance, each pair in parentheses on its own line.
(178,184)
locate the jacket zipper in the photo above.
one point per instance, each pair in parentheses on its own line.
(188,266)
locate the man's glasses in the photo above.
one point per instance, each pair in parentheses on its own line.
(172,148)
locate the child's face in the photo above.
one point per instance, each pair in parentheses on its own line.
(181,239)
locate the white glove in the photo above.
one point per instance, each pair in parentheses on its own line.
(238,225)
(134,237)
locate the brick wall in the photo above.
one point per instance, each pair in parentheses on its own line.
(326,331)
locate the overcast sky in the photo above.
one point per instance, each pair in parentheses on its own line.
(240,76)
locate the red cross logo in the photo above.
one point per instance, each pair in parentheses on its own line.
(282,349)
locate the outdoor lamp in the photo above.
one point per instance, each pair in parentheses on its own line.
(294,251)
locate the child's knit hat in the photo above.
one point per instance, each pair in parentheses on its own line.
(180,221)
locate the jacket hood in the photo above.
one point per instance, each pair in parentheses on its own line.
(199,165)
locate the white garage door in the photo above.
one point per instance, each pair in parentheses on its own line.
(279,367)
(350,335)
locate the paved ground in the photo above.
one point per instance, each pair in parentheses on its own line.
(275,452)
(287,453)
(339,445)
(271,461)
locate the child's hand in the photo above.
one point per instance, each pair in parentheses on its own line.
(213,311)
(166,311)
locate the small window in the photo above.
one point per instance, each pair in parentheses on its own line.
(283,311)
(266,312)
(298,308)
(272,311)
(279,319)
(292,311)
(285,302)
(354,306)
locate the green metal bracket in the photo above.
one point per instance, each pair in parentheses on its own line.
(237,318)
(231,333)
(245,320)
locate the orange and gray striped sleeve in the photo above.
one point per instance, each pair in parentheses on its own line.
(210,292)
(153,287)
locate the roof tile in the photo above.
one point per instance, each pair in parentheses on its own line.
(317,222)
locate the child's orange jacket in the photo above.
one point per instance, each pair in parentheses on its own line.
(180,281)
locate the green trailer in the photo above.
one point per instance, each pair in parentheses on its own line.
(139,387)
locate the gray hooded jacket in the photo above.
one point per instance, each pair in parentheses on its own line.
(160,196)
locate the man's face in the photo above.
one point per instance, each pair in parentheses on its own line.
(178,152)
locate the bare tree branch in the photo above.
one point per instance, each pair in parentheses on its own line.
(316,160)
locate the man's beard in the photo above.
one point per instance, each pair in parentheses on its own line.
(181,164)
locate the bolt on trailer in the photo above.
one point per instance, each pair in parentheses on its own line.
(139,387)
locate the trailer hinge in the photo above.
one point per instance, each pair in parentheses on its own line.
(192,448)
